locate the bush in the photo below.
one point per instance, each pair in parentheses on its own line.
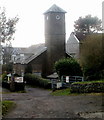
(4,77)
(32,79)
(68,66)
(87,87)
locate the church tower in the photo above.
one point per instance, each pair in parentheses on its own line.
(54,36)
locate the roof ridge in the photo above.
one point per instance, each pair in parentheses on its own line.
(55,8)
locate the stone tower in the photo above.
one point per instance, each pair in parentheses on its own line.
(54,36)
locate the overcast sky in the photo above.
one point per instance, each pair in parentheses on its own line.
(30,28)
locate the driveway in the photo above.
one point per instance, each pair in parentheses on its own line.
(38,103)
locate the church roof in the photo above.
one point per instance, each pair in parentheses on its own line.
(30,53)
(39,52)
(55,8)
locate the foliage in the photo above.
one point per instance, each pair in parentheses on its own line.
(4,76)
(87,25)
(7,26)
(34,80)
(87,87)
(6,106)
(92,57)
(7,53)
(68,66)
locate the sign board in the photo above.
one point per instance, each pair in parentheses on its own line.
(18,79)
(67,79)
(59,84)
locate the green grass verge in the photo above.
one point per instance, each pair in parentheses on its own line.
(62,92)
(7,106)
(66,92)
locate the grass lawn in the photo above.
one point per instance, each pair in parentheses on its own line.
(66,92)
(61,92)
(7,106)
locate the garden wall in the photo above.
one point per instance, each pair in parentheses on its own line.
(87,87)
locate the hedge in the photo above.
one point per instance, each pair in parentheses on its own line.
(34,80)
(87,87)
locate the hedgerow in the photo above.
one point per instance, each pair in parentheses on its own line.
(32,79)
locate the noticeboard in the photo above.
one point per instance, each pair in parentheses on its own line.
(67,79)
(19,79)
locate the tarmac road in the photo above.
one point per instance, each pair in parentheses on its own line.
(38,103)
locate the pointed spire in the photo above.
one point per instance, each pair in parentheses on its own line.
(55,8)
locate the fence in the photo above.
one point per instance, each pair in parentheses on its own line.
(65,81)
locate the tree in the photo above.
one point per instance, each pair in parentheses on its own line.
(87,25)
(92,57)
(67,66)
(7,53)
(7,27)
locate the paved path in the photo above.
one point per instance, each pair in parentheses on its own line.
(38,103)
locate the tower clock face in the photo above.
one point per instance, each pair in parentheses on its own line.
(57,17)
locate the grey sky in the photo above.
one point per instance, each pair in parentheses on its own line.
(30,28)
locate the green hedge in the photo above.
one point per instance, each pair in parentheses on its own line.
(34,80)
(4,77)
(87,87)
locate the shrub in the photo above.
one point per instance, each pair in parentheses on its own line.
(4,77)
(68,66)
(87,87)
(32,79)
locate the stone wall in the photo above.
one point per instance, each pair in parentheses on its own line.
(96,87)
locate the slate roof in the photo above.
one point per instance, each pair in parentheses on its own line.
(53,76)
(72,46)
(55,8)
(30,53)
(39,52)
(18,50)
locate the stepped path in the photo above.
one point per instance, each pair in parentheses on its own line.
(38,103)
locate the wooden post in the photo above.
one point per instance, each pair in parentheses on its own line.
(12,84)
